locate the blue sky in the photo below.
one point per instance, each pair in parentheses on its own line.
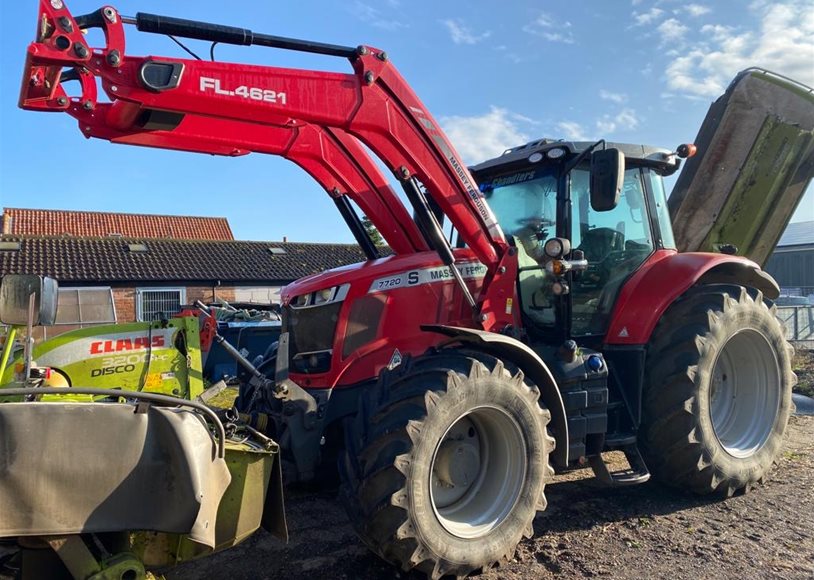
(495,74)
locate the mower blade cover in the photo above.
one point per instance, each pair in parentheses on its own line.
(755,160)
(69,468)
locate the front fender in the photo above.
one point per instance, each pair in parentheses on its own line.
(664,277)
(511,349)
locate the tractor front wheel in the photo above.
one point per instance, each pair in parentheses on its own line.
(718,391)
(446,464)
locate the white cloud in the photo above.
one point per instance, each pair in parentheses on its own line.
(481,137)
(546,27)
(644,18)
(572,131)
(695,10)
(462,34)
(375,17)
(624,120)
(611,96)
(784,43)
(671,30)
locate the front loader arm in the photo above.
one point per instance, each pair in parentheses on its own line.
(334,159)
(374,104)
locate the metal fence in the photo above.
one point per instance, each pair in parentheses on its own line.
(799,323)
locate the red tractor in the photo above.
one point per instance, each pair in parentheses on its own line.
(449,378)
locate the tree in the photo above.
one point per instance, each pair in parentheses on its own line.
(374,234)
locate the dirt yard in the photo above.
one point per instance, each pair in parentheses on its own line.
(588,530)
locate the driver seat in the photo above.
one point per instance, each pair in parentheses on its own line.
(599,242)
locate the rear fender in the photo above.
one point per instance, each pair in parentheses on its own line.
(511,349)
(664,277)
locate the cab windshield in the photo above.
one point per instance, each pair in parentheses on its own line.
(523,200)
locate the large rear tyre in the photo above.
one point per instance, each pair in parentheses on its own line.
(717,391)
(446,464)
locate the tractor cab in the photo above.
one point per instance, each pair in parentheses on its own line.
(577,244)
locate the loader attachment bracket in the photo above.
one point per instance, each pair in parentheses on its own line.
(61,53)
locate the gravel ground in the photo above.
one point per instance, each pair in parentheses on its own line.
(587,530)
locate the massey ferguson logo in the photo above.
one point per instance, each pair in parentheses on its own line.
(126,344)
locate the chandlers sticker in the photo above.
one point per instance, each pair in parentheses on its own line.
(468,270)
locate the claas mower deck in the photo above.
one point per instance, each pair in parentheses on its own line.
(447,381)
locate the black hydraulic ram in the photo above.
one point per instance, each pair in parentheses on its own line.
(231,35)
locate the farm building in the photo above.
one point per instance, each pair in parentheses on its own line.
(126,267)
(792,263)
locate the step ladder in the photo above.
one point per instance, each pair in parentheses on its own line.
(635,474)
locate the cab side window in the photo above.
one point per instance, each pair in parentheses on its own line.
(614,242)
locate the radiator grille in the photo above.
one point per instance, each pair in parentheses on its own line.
(311,330)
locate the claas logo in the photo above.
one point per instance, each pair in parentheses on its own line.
(126,344)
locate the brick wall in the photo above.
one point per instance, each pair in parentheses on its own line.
(125,302)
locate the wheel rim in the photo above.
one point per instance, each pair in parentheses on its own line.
(477,473)
(745,393)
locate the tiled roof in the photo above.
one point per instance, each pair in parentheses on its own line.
(51,222)
(797,234)
(106,260)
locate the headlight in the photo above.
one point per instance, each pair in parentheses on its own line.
(557,247)
(320,297)
(555,153)
(323,296)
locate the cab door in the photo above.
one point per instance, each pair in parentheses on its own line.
(615,243)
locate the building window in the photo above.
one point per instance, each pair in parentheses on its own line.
(152,303)
(86,306)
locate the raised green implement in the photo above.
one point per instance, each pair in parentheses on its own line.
(755,161)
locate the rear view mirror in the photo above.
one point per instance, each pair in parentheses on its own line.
(607,178)
(15,296)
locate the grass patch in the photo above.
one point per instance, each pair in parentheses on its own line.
(793,455)
(225,399)
(803,366)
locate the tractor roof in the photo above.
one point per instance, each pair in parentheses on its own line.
(662,159)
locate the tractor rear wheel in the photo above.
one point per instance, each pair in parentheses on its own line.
(446,464)
(718,391)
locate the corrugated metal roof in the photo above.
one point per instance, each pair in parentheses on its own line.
(70,259)
(797,234)
(51,222)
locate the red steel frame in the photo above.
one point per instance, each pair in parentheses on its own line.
(333,158)
(320,112)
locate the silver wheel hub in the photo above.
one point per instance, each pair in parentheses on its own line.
(457,463)
(478,471)
(745,393)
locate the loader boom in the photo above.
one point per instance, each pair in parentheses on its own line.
(373,104)
(333,158)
